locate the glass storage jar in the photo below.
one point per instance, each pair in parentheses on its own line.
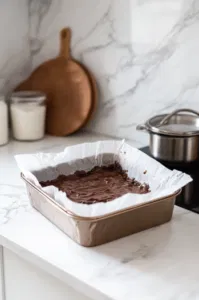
(3,121)
(28,112)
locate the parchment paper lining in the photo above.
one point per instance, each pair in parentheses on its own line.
(46,166)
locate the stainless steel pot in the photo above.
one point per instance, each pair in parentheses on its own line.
(174,137)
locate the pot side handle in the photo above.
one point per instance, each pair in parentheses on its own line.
(142,127)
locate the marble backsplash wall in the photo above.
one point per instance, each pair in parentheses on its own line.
(144,54)
(15,61)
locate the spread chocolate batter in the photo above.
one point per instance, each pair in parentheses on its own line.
(101,184)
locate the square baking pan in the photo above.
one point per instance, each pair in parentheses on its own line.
(94,231)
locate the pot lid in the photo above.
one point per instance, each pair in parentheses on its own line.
(182,122)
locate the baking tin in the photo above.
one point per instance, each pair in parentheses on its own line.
(95,231)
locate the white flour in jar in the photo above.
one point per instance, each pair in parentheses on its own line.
(3,122)
(28,120)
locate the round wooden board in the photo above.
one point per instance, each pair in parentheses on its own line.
(95,94)
(68,89)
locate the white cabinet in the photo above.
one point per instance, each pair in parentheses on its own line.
(24,281)
(1,275)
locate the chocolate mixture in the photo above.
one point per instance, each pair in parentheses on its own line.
(101,184)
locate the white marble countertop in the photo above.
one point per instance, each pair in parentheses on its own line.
(160,263)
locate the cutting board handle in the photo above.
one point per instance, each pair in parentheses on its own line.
(65,37)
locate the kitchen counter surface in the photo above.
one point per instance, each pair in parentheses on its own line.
(160,263)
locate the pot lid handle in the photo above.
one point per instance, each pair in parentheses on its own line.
(175,112)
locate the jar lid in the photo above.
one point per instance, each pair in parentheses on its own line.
(182,122)
(28,96)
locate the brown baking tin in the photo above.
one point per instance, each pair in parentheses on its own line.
(95,231)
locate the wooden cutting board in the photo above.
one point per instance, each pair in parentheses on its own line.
(68,89)
(95,94)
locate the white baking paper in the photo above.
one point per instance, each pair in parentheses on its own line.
(42,167)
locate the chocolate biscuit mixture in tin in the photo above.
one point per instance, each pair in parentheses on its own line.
(101,184)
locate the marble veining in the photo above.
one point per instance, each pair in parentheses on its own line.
(143,54)
(160,263)
(13,201)
(15,60)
